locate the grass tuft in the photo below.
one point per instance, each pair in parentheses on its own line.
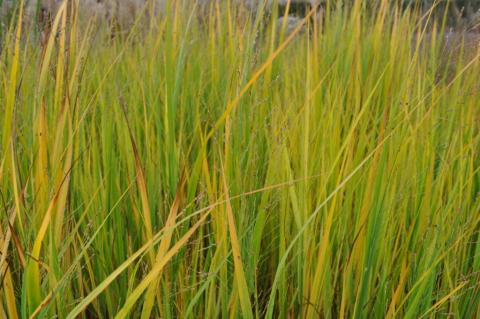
(218,166)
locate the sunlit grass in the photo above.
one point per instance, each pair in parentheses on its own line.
(207,168)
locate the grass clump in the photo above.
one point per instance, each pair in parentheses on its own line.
(216,168)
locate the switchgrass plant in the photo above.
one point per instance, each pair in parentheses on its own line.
(221,168)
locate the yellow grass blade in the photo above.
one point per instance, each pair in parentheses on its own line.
(156,270)
(142,186)
(240,280)
(11,220)
(444,299)
(397,294)
(232,104)
(7,283)
(145,283)
(163,249)
(10,94)
(49,50)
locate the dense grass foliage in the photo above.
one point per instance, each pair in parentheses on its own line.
(217,168)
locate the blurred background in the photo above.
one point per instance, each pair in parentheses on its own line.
(460,15)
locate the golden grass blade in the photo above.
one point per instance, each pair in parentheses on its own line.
(232,104)
(444,299)
(163,248)
(7,283)
(41,306)
(156,270)
(10,94)
(16,193)
(398,291)
(63,183)
(11,220)
(49,50)
(18,246)
(142,186)
(240,280)
(8,289)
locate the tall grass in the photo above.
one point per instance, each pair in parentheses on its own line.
(218,168)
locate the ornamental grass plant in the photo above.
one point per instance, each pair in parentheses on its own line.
(222,168)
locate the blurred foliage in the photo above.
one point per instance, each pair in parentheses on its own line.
(460,14)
